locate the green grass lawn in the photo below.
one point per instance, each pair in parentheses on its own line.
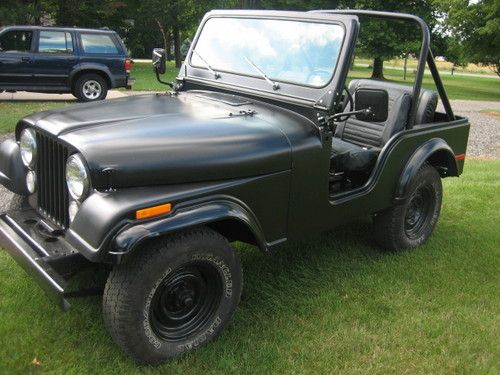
(146,79)
(334,304)
(12,112)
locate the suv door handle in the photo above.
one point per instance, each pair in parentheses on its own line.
(25,59)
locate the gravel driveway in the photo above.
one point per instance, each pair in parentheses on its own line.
(484,137)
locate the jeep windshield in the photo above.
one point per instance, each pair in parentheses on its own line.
(297,52)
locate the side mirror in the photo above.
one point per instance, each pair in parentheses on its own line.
(159,59)
(373,100)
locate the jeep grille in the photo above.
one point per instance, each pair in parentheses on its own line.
(51,191)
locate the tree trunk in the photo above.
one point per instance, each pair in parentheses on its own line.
(177,46)
(163,34)
(495,68)
(405,67)
(378,68)
(169,46)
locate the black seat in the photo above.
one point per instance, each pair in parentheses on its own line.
(356,144)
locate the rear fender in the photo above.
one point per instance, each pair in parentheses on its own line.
(207,214)
(92,67)
(436,152)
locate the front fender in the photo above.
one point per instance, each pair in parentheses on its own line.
(423,154)
(12,170)
(129,239)
(105,215)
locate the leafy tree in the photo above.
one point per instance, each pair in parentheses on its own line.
(475,28)
(89,13)
(26,12)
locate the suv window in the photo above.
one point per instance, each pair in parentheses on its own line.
(55,42)
(99,44)
(16,41)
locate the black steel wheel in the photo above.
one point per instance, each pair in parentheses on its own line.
(173,295)
(410,224)
(419,210)
(185,301)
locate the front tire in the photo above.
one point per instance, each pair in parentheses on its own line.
(90,88)
(409,225)
(173,295)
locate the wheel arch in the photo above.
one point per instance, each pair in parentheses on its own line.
(437,153)
(91,69)
(230,219)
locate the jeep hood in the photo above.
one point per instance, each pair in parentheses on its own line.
(163,139)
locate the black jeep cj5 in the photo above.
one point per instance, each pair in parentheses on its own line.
(260,141)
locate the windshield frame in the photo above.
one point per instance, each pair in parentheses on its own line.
(302,94)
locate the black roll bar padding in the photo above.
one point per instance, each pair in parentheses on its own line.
(424,56)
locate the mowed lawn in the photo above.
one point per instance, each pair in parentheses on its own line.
(333,304)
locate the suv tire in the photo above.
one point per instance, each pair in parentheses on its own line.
(172,296)
(410,224)
(90,87)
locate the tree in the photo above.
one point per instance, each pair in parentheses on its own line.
(475,30)
(25,12)
(383,40)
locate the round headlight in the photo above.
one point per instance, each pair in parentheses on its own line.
(31,181)
(73,210)
(77,177)
(27,144)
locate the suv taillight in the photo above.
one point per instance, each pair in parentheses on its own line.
(128,65)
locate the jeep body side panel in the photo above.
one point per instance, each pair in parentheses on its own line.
(316,211)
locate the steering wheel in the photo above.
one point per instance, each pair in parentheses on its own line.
(325,75)
(348,100)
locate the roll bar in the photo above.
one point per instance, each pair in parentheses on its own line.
(424,56)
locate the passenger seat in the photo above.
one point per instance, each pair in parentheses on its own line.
(356,144)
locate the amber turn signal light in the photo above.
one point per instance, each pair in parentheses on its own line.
(146,213)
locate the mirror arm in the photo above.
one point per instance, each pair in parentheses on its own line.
(340,116)
(171,84)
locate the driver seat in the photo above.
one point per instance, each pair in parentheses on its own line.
(356,144)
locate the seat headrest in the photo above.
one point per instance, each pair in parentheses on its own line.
(427,103)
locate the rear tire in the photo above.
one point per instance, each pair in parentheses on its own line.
(410,224)
(173,295)
(90,88)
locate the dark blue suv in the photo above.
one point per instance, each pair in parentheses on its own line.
(84,62)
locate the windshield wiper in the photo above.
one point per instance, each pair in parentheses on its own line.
(207,65)
(263,75)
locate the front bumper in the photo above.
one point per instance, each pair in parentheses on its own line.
(41,252)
